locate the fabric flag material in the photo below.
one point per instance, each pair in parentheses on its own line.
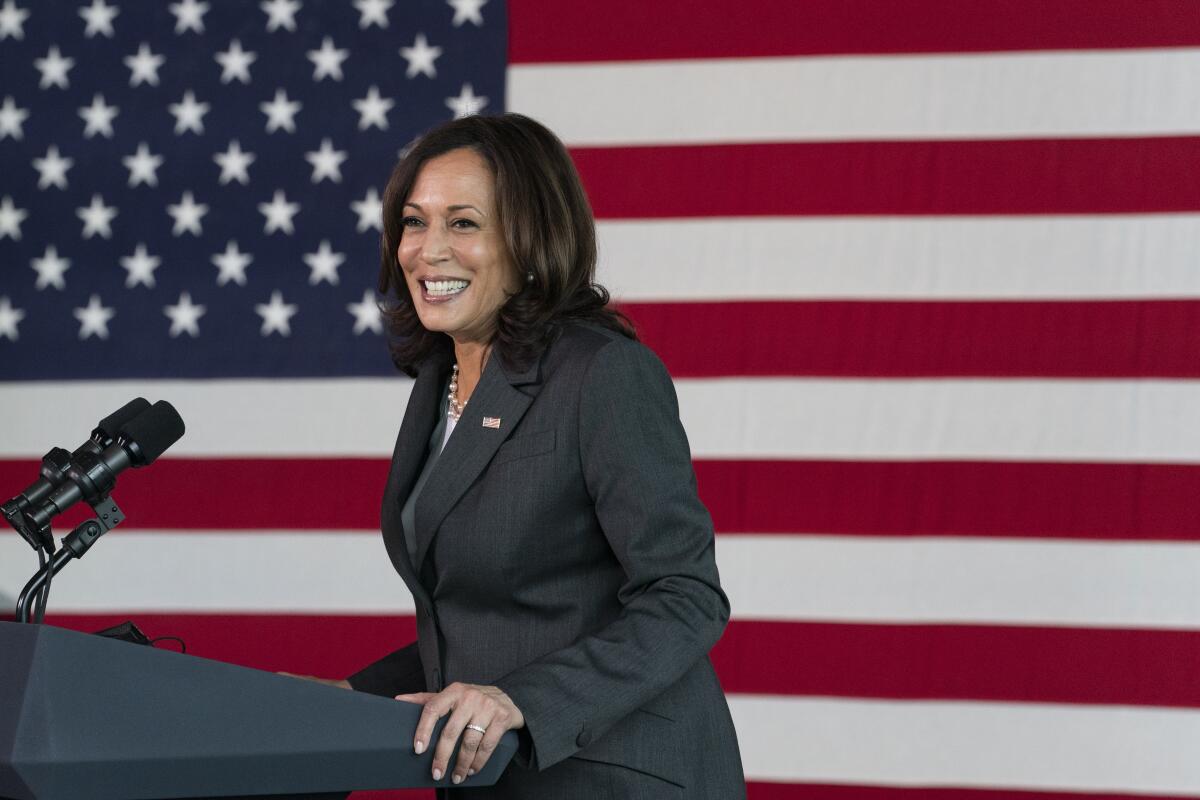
(939,258)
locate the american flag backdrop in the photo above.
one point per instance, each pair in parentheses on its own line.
(941,257)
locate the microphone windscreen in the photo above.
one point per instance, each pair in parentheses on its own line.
(150,433)
(110,425)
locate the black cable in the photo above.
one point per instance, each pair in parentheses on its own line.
(43,598)
(182,645)
(40,598)
(41,568)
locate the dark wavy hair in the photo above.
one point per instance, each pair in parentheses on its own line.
(548,231)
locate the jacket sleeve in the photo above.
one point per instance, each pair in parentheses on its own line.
(396,673)
(637,467)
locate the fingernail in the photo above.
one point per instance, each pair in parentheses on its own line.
(457,778)
(470,773)
(437,774)
(419,746)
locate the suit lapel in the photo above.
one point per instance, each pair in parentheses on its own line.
(412,443)
(472,446)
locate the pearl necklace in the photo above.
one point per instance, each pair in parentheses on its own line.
(454,409)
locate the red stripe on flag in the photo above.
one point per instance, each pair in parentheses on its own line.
(759,790)
(1043,176)
(233,494)
(954,498)
(888,498)
(542,31)
(994,663)
(325,645)
(961,662)
(1062,339)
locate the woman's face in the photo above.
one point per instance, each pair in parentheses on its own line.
(452,247)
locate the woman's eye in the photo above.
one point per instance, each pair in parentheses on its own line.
(463,224)
(411,222)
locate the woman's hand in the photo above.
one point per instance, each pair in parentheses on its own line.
(483,707)
(341,684)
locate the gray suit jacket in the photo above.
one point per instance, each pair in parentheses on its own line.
(565,557)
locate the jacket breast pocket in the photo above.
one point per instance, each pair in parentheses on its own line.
(525,446)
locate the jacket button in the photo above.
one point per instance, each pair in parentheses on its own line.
(583,739)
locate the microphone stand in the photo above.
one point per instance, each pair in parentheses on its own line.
(75,545)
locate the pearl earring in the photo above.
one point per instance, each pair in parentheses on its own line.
(529,277)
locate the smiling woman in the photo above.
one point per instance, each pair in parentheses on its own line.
(452,251)
(541,505)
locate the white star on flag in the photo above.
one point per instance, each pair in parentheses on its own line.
(324,264)
(98,118)
(280,14)
(327,62)
(466,104)
(373,109)
(52,170)
(467,11)
(9,319)
(142,166)
(235,63)
(185,316)
(369,210)
(326,162)
(189,115)
(233,163)
(50,268)
(420,58)
(12,21)
(189,16)
(143,67)
(54,68)
(187,214)
(11,119)
(11,218)
(231,265)
(280,112)
(140,266)
(97,218)
(367,316)
(279,213)
(99,18)
(93,318)
(373,12)
(276,315)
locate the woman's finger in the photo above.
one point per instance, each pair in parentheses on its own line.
(487,744)
(435,708)
(464,710)
(341,684)
(415,697)
(471,739)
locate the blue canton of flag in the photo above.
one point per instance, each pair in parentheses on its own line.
(193,189)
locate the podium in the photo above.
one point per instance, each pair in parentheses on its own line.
(82,716)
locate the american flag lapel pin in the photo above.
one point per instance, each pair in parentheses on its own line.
(491,422)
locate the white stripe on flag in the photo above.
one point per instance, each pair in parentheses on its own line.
(984,581)
(921,258)
(814,578)
(1011,95)
(969,744)
(771,418)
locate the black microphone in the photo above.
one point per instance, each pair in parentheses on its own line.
(92,474)
(57,462)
